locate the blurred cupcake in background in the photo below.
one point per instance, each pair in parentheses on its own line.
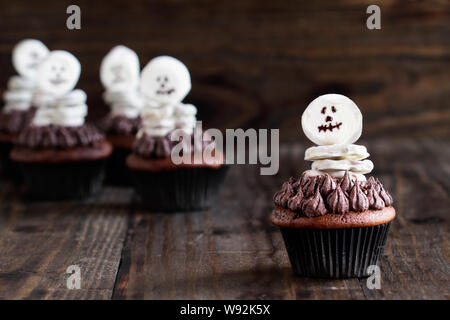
(333,221)
(119,74)
(61,157)
(162,184)
(18,109)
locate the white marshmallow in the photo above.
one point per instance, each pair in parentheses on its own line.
(165,80)
(58,73)
(27,55)
(332,119)
(119,70)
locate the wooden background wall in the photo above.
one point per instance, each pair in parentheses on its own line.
(259,63)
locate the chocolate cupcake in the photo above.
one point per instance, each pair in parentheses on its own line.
(18,109)
(333,221)
(167,177)
(60,156)
(119,74)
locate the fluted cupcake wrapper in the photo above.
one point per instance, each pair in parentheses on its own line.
(182,189)
(63,181)
(9,169)
(117,172)
(335,253)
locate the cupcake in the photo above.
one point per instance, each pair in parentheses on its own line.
(119,74)
(18,109)
(60,156)
(333,220)
(163,182)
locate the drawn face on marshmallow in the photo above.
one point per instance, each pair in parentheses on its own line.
(119,70)
(58,73)
(332,119)
(27,55)
(165,80)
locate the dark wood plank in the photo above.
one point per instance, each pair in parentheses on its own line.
(38,241)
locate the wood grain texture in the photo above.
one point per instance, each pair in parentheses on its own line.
(258,63)
(253,64)
(39,241)
(230,251)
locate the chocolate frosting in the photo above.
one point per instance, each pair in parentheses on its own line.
(357,199)
(152,147)
(337,201)
(120,124)
(60,137)
(16,120)
(313,196)
(314,206)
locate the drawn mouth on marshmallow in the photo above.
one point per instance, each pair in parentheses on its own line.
(168,92)
(33,65)
(330,127)
(57,81)
(118,79)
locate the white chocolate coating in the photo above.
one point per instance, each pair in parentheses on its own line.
(126,103)
(337,151)
(337,174)
(357,166)
(19,94)
(69,110)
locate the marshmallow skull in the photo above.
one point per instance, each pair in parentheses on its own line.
(27,55)
(58,73)
(165,80)
(119,70)
(332,119)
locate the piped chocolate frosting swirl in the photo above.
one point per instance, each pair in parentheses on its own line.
(60,137)
(119,124)
(155,147)
(313,196)
(14,121)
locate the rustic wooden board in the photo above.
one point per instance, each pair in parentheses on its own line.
(230,251)
(253,64)
(38,241)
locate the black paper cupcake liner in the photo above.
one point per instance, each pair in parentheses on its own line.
(63,181)
(181,189)
(9,170)
(335,253)
(117,173)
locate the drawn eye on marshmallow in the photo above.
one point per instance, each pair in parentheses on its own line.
(27,55)
(119,69)
(165,80)
(332,119)
(58,73)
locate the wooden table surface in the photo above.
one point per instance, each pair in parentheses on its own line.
(230,251)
